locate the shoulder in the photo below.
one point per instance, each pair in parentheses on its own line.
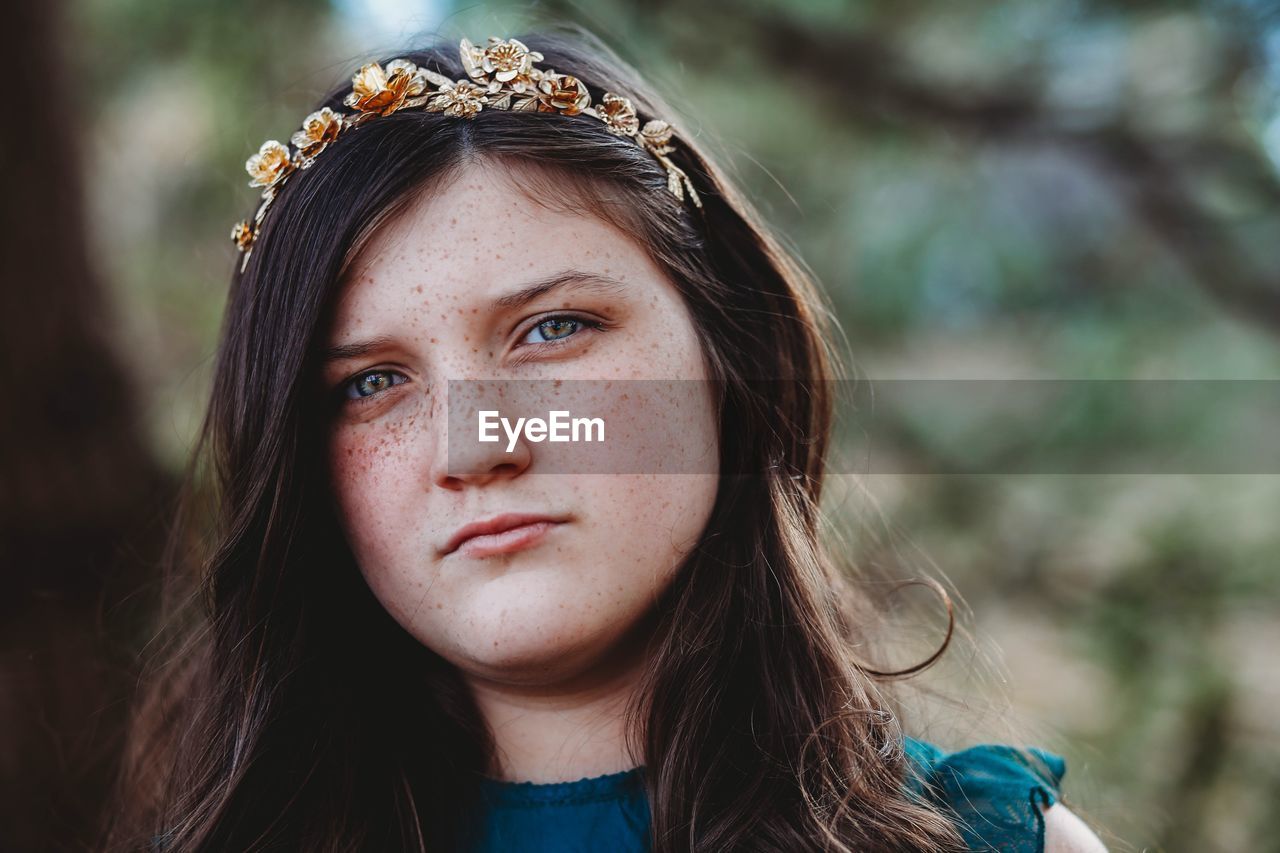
(1065,832)
(1000,795)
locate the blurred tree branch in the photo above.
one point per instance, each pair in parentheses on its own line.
(871,83)
(79,508)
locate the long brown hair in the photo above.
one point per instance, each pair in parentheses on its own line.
(269,720)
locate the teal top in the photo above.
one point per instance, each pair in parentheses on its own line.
(997,794)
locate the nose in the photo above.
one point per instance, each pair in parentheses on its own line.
(465,460)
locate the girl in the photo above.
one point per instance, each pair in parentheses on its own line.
(396,646)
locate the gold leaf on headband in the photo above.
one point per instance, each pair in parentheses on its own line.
(618,115)
(438,80)
(472,60)
(318,130)
(531,102)
(673,184)
(269,165)
(374,90)
(562,93)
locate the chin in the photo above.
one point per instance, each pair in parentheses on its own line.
(530,647)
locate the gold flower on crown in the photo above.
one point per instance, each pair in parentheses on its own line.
(272,163)
(618,115)
(500,75)
(242,234)
(562,92)
(318,130)
(463,99)
(374,90)
(656,135)
(508,61)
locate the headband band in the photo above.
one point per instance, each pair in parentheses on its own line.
(502,76)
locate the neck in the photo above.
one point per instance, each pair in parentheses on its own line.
(564,730)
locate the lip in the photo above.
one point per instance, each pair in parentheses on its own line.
(501,534)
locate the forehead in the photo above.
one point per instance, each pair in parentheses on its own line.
(478,237)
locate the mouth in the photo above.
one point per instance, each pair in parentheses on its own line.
(502,534)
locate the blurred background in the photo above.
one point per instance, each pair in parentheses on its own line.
(986,189)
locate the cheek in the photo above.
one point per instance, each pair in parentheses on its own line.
(681,506)
(356,481)
(653,505)
(642,528)
(649,521)
(370,473)
(673,350)
(364,489)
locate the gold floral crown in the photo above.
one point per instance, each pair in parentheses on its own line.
(502,76)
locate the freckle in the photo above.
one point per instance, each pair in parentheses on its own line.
(418,288)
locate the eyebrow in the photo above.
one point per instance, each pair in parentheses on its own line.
(566,278)
(344,352)
(570,278)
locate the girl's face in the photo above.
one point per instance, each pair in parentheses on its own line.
(425,290)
